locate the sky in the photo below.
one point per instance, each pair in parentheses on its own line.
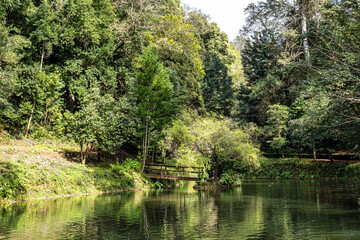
(228,14)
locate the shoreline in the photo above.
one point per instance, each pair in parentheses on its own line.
(27,173)
(86,194)
(293,168)
(300,178)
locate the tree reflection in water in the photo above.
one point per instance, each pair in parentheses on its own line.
(259,209)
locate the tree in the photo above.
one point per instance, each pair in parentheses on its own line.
(180,51)
(70,38)
(220,65)
(329,93)
(11,52)
(303,7)
(265,83)
(313,131)
(153,94)
(208,141)
(102,124)
(217,86)
(278,118)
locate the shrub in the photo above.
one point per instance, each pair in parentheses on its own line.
(209,141)
(131,165)
(13,182)
(230,178)
(159,185)
(125,171)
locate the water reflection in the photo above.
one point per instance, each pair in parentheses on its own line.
(259,209)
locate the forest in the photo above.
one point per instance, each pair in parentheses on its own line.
(161,81)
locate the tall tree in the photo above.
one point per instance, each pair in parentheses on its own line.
(103,124)
(11,52)
(180,50)
(217,86)
(153,93)
(303,12)
(335,78)
(278,118)
(265,83)
(218,57)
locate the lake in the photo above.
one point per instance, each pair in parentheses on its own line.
(258,209)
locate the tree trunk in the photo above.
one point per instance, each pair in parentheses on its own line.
(216,174)
(30,118)
(331,157)
(303,6)
(86,154)
(32,111)
(81,153)
(42,57)
(216,167)
(71,102)
(314,153)
(98,154)
(153,155)
(145,144)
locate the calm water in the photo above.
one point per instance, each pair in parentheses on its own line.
(259,209)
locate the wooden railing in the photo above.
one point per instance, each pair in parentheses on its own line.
(161,171)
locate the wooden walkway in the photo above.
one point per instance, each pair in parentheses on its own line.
(160,171)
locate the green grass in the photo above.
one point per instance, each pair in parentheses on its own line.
(295,168)
(21,180)
(40,169)
(38,145)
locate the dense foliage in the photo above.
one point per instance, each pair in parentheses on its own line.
(302,70)
(208,141)
(117,74)
(110,75)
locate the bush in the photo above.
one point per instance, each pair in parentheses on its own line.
(127,166)
(5,138)
(40,133)
(13,182)
(201,141)
(159,185)
(294,168)
(118,169)
(125,171)
(230,178)
(132,165)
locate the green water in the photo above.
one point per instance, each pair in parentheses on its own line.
(259,209)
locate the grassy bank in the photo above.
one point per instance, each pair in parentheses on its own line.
(295,168)
(29,170)
(37,170)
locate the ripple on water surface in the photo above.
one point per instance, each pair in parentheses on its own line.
(259,209)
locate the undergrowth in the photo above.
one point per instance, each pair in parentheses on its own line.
(22,180)
(295,168)
(230,178)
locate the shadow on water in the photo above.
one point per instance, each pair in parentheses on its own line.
(259,209)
